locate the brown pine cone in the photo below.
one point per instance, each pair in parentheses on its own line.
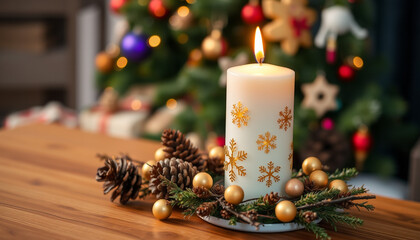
(178,146)
(310,187)
(271,198)
(218,189)
(309,216)
(201,192)
(214,165)
(122,174)
(206,209)
(347,204)
(177,171)
(252,214)
(225,214)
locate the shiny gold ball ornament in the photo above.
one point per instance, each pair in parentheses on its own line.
(145,170)
(285,211)
(294,187)
(104,62)
(340,185)
(214,45)
(217,152)
(203,179)
(319,178)
(162,209)
(311,164)
(234,194)
(160,154)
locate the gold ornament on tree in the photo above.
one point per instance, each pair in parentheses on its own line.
(311,164)
(162,209)
(294,188)
(203,179)
(319,178)
(340,185)
(290,25)
(234,194)
(214,45)
(104,62)
(320,95)
(285,211)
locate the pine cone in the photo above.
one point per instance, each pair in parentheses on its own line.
(205,209)
(201,192)
(175,170)
(225,214)
(346,204)
(271,198)
(214,165)
(310,187)
(122,174)
(177,146)
(218,189)
(309,216)
(252,214)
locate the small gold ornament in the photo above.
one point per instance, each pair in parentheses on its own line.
(104,62)
(285,211)
(162,209)
(311,164)
(145,170)
(160,154)
(203,179)
(294,187)
(214,45)
(234,194)
(319,178)
(217,152)
(340,185)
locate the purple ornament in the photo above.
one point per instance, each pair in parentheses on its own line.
(134,47)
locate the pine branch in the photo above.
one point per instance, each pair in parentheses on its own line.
(344,174)
(238,215)
(314,197)
(334,201)
(319,232)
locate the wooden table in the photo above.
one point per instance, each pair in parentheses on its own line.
(48,190)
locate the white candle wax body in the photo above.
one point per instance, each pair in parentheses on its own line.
(259,128)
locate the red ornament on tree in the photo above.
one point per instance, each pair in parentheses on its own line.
(346,73)
(158,9)
(116,5)
(362,141)
(252,13)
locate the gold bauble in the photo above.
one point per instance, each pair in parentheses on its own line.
(145,170)
(217,152)
(162,209)
(285,211)
(213,46)
(311,164)
(160,154)
(340,185)
(104,62)
(203,179)
(234,194)
(294,187)
(319,178)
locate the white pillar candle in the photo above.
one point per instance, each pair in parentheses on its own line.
(259,128)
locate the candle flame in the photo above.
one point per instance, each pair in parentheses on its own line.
(258,46)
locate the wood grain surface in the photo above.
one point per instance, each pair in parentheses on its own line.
(48,191)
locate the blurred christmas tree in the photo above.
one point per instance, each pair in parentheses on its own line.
(341,113)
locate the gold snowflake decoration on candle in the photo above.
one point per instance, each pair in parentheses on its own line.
(285,120)
(266,142)
(240,115)
(268,173)
(231,162)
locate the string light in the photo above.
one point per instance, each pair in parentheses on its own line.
(136,104)
(183,11)
(122,62)
(190,1)
(154,41)
(358,62)
(171,103)
(183,38)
